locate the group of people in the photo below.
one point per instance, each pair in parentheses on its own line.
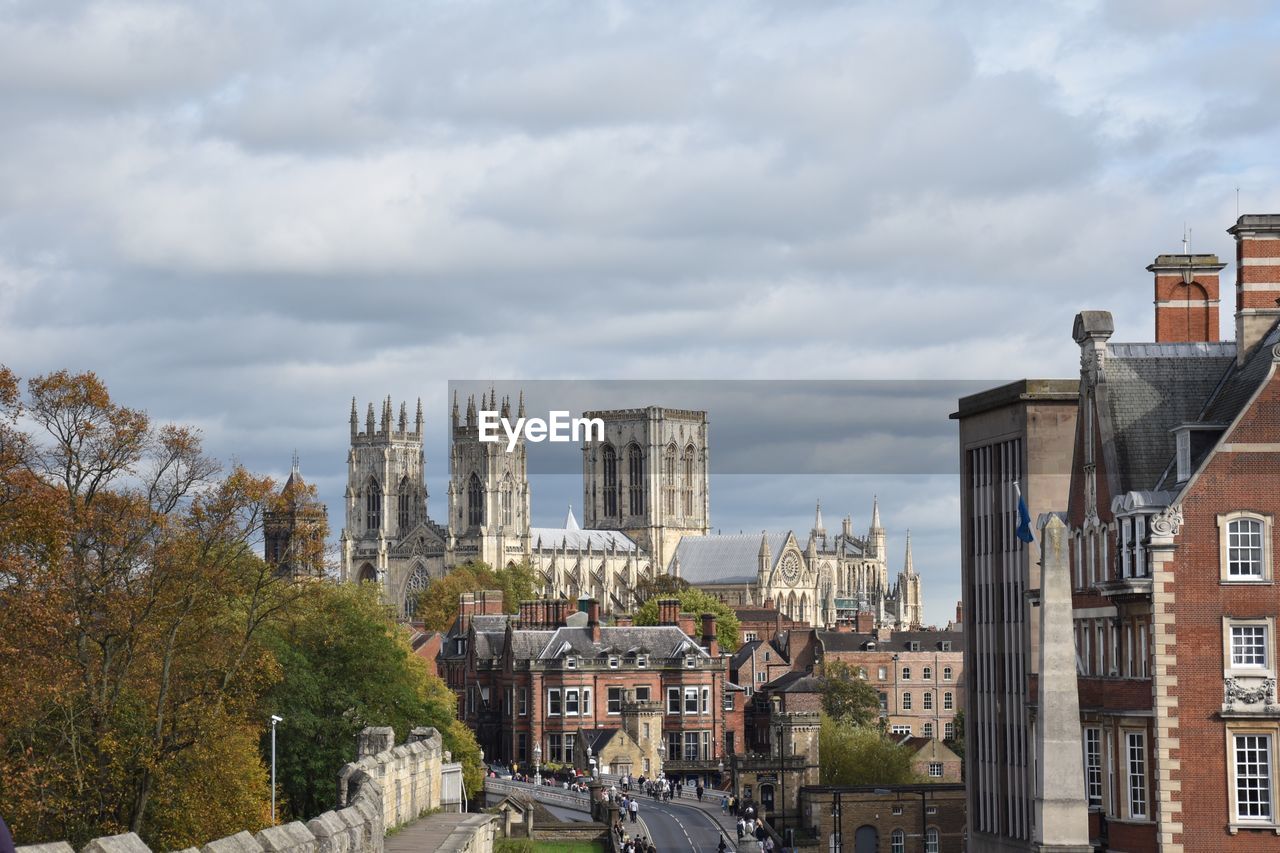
(632,843)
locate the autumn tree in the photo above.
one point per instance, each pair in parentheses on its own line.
(130,600)
(437,605)
(697,602)
(848,698)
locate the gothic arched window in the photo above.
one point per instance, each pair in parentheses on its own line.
(610,461)
(669,481)
(405,505)
(418,581)
(689,454)
(506,501)
(475,502)
(635,479)
(372,505)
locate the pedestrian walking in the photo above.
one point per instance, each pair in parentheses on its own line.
(635,808)
(741,826)
(724,805)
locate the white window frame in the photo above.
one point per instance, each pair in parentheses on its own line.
(690,697)
(1267,733)
(1092,743)
(524,701)
(906,701)
(948,701)
(642,661)
(946,673)
(1136,775)
(935,769)
(926,700)
(673,692)
(926,673)
(906,673)
(1231,669)
(609,700)
(882,674)
(571,694)
(932,839)
(1225,521)
(554,700)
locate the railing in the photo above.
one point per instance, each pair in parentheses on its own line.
(542,793)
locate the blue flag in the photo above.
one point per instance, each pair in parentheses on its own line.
(1024,520)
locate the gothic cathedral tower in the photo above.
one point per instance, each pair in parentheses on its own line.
(649,477)
(386,500)
(488,490)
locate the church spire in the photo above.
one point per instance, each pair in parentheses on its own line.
(909,566)
(818,532)
(418,420)
(404,417)
(368,420)
(455,408)
(355,419)
(875,512)
(570,521)
(520,410)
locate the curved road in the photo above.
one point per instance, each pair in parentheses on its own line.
(677,827)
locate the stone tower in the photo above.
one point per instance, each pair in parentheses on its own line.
(649,477)
(642,721)
(293,530)
(488,489)
(910,613)
(386,502)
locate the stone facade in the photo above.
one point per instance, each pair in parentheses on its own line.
(646,512)
(871,818)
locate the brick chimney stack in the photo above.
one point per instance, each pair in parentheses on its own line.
(669,611)
(959,612)
(1257,279)
(709,634)
(1186,297)
(866,621)
(593,620)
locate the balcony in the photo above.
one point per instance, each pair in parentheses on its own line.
(1124,588)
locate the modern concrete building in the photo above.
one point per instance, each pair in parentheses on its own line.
(1015,436)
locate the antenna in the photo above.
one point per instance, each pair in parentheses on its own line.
(295,461)
(1186,241)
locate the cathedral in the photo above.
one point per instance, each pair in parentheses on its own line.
(645,510)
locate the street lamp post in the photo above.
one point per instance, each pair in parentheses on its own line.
(537,764)
(274,719)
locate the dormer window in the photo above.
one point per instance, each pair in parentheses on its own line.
(913,646)
(945,645)
(690,662)
(613,662)
(1184,454)
(570,663)
(641,662)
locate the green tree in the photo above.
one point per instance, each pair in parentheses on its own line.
(346,665)
(697,602)
(861,755)
(848,698)
(956,742)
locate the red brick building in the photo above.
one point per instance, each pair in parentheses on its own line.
(1175,488)
(529,684)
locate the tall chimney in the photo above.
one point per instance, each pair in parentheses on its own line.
(1186,297)
(709,634)
(1257,279)
(593,620)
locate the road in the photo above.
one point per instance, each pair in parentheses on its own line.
(675,827)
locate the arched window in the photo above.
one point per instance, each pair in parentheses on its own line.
(367,574)
(1244,549)
(635,479)
(690,453)
(507,497)
(931,840)
(898,841)
(418,581)
(475,502)
(405,505)
(372,505)
(906,701)
(610,461)
(669,481)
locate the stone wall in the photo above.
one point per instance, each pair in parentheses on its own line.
(386,786)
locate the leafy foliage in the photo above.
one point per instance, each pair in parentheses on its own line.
(346,665)
(437,605)
(697,602)
(848,698)
(140,632)
(861,755)
(956,743)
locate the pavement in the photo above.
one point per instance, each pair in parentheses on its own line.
(685,824)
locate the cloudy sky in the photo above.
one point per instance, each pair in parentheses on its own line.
(243,214)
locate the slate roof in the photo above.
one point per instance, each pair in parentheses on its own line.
(573,538)
(1152,388)
(848,641)
(597,739)
(1239,383)
(727,558)
(795,682)
(660,641)
(743,654)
